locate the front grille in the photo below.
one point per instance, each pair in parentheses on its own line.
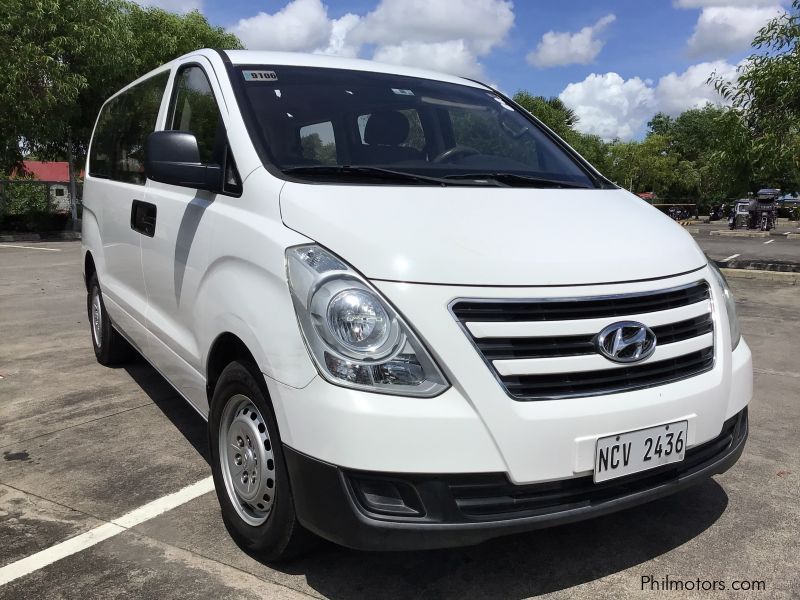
(610,380)
(562,309)
(492,497)
(575,345)
(676,316)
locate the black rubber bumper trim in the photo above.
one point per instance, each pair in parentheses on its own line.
(326,505)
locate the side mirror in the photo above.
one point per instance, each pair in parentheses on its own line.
(173,157)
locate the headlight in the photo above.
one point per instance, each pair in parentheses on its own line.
(355,336)
(730,305)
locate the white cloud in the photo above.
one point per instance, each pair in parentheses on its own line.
(482,24)
(676,93)
(178,6)
(454,56)
(301,25)
(557,48)
(722,30)
(338,42)
(422,33)
(612,107)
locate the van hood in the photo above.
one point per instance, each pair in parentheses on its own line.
(482,236)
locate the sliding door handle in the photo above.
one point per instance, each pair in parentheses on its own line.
(143,217)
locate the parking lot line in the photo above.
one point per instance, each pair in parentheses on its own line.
(48,556)
(731,257)
(30,248)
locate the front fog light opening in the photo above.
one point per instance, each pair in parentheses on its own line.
(388,496)
(354,335)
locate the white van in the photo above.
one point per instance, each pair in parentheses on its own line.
(352,271)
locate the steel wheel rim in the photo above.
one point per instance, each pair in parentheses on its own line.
(247,460)
(97,317)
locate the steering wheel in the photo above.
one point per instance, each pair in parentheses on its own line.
(455,151)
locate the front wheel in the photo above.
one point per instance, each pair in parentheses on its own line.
(250,475)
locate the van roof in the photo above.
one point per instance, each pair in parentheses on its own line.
(297,59)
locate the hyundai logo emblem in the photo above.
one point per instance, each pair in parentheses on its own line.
(626,342)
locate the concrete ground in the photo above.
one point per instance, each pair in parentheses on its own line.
(776,248)
(82,445)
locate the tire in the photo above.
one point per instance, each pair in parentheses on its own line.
(250,474)
(110,347)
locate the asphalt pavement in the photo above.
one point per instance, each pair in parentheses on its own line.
(777,250)
(83,446)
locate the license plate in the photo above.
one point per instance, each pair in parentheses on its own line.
(626,453)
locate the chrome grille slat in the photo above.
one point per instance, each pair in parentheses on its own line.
(576,345)
(569,364)
(562,309)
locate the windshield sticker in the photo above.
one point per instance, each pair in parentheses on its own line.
(260,76)
(402,92)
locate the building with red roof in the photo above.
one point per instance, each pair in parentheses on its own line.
(53,174)
(47,170)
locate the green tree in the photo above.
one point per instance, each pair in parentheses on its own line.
(550,111)
(661,123)
(60,60)
(767,92)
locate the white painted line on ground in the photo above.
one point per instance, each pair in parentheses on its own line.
(48,556)
(30,248)
(769,241)
(731,257)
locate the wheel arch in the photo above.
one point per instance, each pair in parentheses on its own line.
(89,268)
(226,348)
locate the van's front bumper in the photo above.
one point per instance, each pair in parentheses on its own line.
(384,511)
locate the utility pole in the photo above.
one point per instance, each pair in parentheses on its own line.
(73,192)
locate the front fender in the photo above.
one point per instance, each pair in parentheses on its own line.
(240,297)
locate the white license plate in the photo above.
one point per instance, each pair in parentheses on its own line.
(626,453)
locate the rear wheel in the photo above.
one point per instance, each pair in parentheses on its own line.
(250,474)
(110,347)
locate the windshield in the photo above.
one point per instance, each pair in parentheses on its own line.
(318,123)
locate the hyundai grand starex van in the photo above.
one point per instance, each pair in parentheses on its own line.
(348,269)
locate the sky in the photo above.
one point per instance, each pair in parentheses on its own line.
(615,62)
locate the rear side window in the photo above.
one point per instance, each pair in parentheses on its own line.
(318,143)
(125,122)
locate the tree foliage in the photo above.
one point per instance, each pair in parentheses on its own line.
(766,93)
(60,59)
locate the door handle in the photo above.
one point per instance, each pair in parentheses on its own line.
(143,217)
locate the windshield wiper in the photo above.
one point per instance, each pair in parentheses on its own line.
(514,178)
(375,173)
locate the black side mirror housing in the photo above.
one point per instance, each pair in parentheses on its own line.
(173,157)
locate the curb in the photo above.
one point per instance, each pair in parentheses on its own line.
(53,236)
(774,266)
(740,234)
(754,274)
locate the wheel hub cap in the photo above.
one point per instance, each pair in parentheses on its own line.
(247,460)
(97,317)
